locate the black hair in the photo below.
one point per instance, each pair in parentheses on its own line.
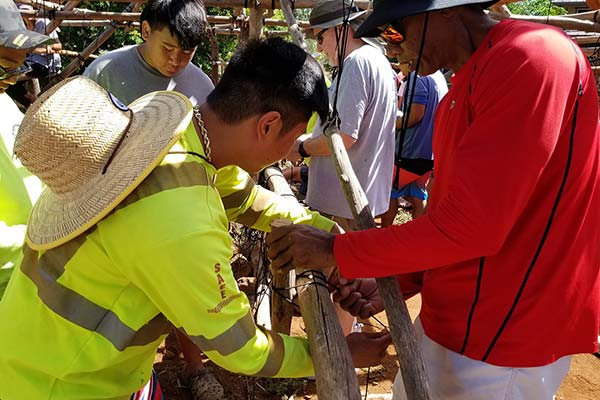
(186,19)
(271,75)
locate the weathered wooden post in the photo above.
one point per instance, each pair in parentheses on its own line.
(256,20)
(334,370)
(401,327)
(294,29)
(282,309)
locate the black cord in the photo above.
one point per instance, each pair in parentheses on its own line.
(367,383)
(407,103)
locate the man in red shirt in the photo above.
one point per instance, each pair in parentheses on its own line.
(507,257)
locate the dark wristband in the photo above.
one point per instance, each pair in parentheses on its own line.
(302,151)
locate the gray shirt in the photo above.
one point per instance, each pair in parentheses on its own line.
(126,75)
(367,109)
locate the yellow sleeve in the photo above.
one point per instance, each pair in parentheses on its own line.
(187,248)
(254,206)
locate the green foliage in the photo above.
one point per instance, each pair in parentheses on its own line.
(536,7)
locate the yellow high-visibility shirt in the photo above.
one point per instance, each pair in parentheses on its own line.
(84,319)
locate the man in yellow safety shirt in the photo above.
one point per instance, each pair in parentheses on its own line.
(131,235)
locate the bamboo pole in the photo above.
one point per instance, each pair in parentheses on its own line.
(401,327)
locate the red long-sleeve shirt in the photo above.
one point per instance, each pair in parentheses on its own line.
(490,289)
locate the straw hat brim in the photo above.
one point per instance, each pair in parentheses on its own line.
(159,119)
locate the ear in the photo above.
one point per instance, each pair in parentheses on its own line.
(146,30)
(269,125)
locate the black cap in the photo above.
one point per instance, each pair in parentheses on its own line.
(13,32)
(387,11)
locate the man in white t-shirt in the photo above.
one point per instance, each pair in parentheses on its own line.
(366,104)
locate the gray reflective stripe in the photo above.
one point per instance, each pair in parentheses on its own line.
(237,198)
(230,340)
(166,177)
(276,354)
(251,216)
(45,271)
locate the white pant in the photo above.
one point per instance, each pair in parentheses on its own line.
(453,376)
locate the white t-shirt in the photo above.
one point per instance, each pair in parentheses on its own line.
(367,108)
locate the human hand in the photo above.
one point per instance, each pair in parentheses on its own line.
(300,246)
(360,297)
(293,154)
(368,348)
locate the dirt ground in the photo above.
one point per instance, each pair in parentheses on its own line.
(582,383)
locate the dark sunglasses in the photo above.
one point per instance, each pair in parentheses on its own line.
(391,35)
(319,36)
(9,73)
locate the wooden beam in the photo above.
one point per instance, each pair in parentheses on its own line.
(561,22)
(71,53)
(585,40)
(131,18)
(73,23)
(401,327)
(55,22)
(364,4)
(586,22)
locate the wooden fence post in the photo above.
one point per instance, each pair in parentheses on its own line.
(334,370)
(401,327)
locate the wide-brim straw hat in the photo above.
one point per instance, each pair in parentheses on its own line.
(387,11)
(91,151)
